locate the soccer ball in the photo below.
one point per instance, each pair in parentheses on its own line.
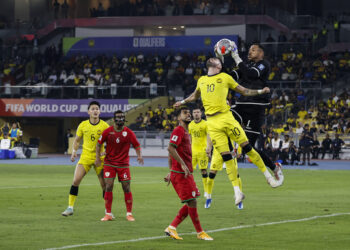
(223,47)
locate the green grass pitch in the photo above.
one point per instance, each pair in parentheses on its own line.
(33,197)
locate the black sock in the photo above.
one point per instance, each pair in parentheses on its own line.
(103,194)
(74,190)
(267,160)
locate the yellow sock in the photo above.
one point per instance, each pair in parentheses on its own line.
(71,200)
(240,184)
(205,180)
(256,159)
(210,185)
(232,171)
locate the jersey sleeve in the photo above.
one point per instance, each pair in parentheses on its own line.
(198,83)
(231,83)
(80,130)
(103,137)
(176,137)
(133,140)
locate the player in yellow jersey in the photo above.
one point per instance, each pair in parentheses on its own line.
(216,165)
(199,132)
(213,90)
(90,130)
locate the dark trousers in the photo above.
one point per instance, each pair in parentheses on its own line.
(324,151)
(305,151)
(336,152)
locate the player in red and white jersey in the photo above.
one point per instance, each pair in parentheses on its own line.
(118,139)
(180,164)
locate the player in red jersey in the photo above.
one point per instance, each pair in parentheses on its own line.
(180,164)
(118,139)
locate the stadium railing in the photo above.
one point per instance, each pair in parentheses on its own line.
(278,48)
(305,85)
(160,139)
(154,139)
(62,92)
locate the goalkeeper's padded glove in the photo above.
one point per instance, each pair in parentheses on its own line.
(234,53)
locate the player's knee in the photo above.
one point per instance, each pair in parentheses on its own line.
(212,175)
(226,157)
(205,175)
(192,203)
(126,187)
(247,148)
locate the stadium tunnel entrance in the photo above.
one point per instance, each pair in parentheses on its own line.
(49,132)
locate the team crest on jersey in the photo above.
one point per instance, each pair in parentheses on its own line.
(107,174)
(194,194)
(261,66)
(125,133)
(99,132)
(174,138)
(219,80)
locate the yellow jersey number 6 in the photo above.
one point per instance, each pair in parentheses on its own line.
(92,137)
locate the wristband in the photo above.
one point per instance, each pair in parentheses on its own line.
(260,91)
(183,102)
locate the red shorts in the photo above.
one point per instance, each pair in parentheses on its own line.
(185,188)
(111,172)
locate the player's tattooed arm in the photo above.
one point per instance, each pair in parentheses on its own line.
(194,96)
(76,144)
(251,92)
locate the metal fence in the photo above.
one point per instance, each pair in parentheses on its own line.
(159,139)
(101,92)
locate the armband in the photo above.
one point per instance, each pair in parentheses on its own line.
(183,102)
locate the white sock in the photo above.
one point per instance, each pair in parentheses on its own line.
(267,174)
(70,207)
(127,214)
(172,227)
(208,196)
(236,189)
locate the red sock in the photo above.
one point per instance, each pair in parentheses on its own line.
(183,212)
(195,219)
(128,201)
(108,201)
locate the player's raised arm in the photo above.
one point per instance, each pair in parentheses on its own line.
(76,144)
(194,96)
(251,92)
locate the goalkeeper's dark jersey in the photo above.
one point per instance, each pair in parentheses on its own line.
(253,75)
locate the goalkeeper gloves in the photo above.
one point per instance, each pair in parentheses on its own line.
(234,53)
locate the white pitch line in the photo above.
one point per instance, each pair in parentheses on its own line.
(58,186)
(209,231)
